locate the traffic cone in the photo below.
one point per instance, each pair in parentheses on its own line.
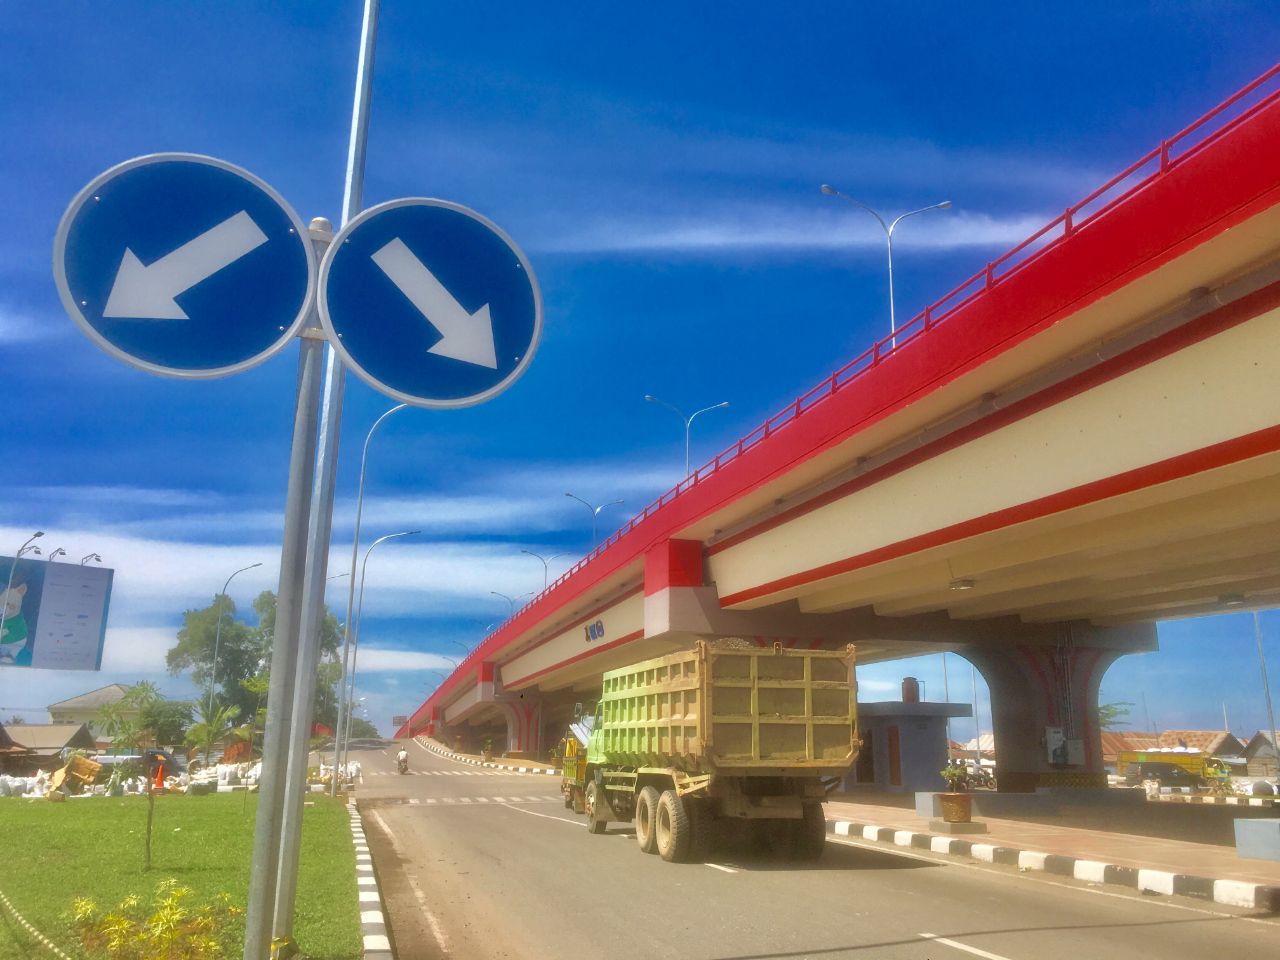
(159,784)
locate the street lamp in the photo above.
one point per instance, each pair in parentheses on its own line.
(888,235)
(351,584)
(1266,687)
(92,556)
(688,422)
(351,645)
(510,600)
(595,512)
(58,552)
(217,633)
(25,548)
(545,562)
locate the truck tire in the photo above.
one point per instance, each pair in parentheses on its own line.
(646,818)
(810,837)
(596,819)
(703,826)
(674,830)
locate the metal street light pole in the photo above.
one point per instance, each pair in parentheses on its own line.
(351,584)
(217,632)
(888,229)
(511,602)
(1266,687)
(595,512)
(59,552)
(25,548)
(355,647)
(92,556)
(688,421)
(545,563)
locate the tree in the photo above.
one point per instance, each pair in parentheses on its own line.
(14,721)
(244,650)
(212,726)
(362,728)
(122,721)
(1112,715)
(167,720)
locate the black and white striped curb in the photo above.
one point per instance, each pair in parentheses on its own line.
(373,922)
(450,755)
(446,801)
(1236,893)
(1238,801)
(36,935)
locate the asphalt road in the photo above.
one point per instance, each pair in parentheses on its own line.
(476,863)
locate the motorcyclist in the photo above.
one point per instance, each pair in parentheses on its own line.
(402,760)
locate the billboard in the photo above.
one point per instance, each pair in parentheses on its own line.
(52,615)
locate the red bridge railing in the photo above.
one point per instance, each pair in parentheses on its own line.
(1153,165)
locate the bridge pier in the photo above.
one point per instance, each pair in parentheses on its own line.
(1040,688)
(524,724)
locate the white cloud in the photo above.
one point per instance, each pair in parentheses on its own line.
(137,649)
(18,327)
(743,229)
(390,660)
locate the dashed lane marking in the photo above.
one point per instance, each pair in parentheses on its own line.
(716,866)
(544,816)
(431,801)
(962,946)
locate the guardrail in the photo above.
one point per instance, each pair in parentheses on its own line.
(1150,167)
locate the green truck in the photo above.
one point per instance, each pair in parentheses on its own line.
(727,731)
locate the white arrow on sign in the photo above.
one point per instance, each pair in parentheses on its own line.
(463,336)
(147,293)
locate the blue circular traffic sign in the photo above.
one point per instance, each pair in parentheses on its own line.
(184,265)
(430,303)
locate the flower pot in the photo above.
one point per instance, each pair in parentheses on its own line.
(956,807)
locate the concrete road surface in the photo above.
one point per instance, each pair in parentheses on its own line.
(477,863)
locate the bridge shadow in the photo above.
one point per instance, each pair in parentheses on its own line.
(760,854)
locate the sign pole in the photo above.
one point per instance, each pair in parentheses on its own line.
(294,766)
(312,620)
(352,201)
(266,838)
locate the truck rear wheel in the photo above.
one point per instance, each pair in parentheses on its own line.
(596,820)
(702,824)
(646,817)
(674,831)
(810,837)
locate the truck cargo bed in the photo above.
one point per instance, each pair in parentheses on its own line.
(741,709)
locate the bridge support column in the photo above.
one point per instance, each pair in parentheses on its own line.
(1038,689)
(524,725)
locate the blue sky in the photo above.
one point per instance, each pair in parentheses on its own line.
(660,167)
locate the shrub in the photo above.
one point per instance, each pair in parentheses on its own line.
(170,928)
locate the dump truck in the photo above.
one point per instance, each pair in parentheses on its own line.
(1203,765)
(722,732)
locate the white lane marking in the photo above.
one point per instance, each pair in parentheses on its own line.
(965,947)
(1051,880)
(716,866)
(437,928)
(545,816)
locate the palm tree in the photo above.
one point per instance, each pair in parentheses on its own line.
(212,726)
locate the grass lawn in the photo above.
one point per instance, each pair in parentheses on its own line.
(51,853)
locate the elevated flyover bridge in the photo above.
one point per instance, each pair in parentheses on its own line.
(1079,441)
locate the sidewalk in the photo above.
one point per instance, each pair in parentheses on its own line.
(1200,862)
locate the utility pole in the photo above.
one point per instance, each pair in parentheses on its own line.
(308,514)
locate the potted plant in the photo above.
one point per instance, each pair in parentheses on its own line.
(957,805)
(486,748)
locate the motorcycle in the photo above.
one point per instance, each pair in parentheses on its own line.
(402,765)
